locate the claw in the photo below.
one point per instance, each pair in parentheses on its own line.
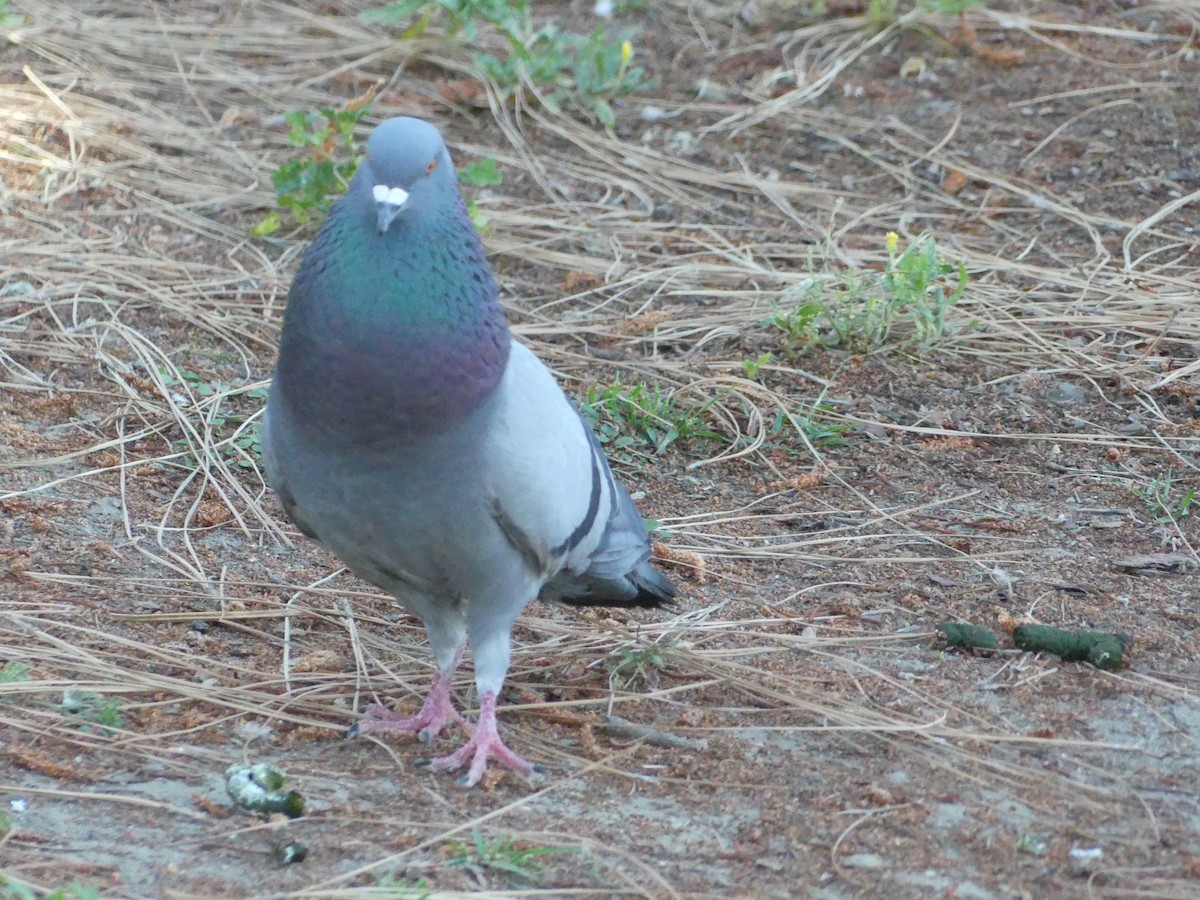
(485,743)
(435,712)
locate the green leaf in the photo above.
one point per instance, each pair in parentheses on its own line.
(269,225)
(481,173)
(478,219)
(14,672)
(604,112)
(417,28)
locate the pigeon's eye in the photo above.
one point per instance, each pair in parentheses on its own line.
(432,165)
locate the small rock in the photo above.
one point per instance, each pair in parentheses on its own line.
(1066,392)
(1032,844)
(707,89)
(1084,860)
(865,861)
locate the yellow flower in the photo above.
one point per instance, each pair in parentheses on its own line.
(626,52)
(892,240)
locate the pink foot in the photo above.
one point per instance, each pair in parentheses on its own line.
(484,742)
(435,712)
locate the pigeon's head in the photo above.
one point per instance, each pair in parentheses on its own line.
(407,164)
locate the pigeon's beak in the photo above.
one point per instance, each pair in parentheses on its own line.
(388,203)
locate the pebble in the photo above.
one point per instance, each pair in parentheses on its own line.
(865,861)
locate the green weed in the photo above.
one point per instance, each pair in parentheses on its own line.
(512,19)
(10,20)
(587,72)
(862,310)
(884,12)
(584,71)
(480,173)
(812,424)
(14,672)
(815,424)
(502,856)
(750,367)
(625,417)
(602,70)
(228,420)
(307,185)
(799,323)
(1164,501)
(950,7)
(12,890)
(92,711)
(635,665)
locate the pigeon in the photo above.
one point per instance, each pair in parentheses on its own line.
(437,457)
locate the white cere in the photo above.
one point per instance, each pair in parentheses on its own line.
(392,196)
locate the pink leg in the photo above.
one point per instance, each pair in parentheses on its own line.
(484,742)
(435,712)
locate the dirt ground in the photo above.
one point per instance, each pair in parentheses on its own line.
(791,728)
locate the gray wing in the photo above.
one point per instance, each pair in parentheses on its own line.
(557,502)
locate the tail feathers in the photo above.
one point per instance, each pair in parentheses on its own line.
(654,588)
(645,587)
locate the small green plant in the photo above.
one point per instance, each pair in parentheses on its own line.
(502,856)
(93,711)
(861,310)
(635,665)
(10,20)
(1164,501)
(751,366)
(919,290)
(601,71)
(13,890)
(798,324)
(622,416)
(512,18)
(884,12)
(950,7)
(307,185)
(228,421)
(14,672)
(587,71)
(813,424)
(481,173)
